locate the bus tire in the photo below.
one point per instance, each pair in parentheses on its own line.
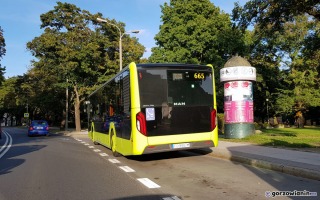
(113,145)
(93,139)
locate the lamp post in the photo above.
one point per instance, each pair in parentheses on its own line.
(67,107)
(268,110)
(120,38)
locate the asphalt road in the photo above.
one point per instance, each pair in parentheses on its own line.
(61,167)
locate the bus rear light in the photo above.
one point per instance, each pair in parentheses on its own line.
(141,123)
(213,119)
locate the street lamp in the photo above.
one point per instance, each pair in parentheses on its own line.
(120,38)
(268,110)
(67,107)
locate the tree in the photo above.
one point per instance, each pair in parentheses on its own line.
(2,53)
(12,100)
(195,31)
(287,34)
(275,12)
(302,77)
(78,52)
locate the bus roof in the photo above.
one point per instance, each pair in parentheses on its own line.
(170,65)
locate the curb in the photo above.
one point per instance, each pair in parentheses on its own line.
(287,169)
(73,133)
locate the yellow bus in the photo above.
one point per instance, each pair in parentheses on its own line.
(149,108)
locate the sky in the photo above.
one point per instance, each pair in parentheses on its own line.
(20,22)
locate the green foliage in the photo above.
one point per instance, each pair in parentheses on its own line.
(285,52)
(220,117)
(195,31)
(77,52)
(275,12)
(10,101)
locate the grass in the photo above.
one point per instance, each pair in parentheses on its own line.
(308,137)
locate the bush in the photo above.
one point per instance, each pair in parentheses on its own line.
(257,126)
(220,117)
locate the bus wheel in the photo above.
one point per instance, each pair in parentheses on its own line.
(113,145)
(93,138)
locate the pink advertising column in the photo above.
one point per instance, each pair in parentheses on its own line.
(237,76)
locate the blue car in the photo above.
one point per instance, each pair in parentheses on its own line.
(38,127)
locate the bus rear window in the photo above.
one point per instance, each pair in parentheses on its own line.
(177,87)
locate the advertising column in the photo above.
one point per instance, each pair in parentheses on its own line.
(237,76)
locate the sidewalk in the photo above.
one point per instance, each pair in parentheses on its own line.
(293,162)
(298,163)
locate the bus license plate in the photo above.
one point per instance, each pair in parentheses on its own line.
(181,145)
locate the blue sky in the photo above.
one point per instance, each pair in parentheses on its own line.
(20,21)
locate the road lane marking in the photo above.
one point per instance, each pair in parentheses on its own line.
(148,183)
(114,161)
(7,144)
(145,181)
(103,154)
(127,169)
(171,198)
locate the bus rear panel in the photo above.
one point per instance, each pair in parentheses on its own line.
(178,107)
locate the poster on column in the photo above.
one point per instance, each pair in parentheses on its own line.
(238,102)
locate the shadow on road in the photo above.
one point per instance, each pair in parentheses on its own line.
(170,155)
(21,145)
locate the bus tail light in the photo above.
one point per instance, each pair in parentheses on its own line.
(141,123)
(213,119)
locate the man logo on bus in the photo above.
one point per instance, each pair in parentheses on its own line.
(179,103)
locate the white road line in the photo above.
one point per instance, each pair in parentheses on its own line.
(114,161)
(83,142)
(126,169)
(147,182)
(7,144)
(103,154)
(86,144)
(96,150)
(90,147)
(171,198)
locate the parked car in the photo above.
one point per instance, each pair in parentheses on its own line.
(38,127)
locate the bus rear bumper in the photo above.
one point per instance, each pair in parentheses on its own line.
(177,147)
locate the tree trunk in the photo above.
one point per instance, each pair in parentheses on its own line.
(77,110)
